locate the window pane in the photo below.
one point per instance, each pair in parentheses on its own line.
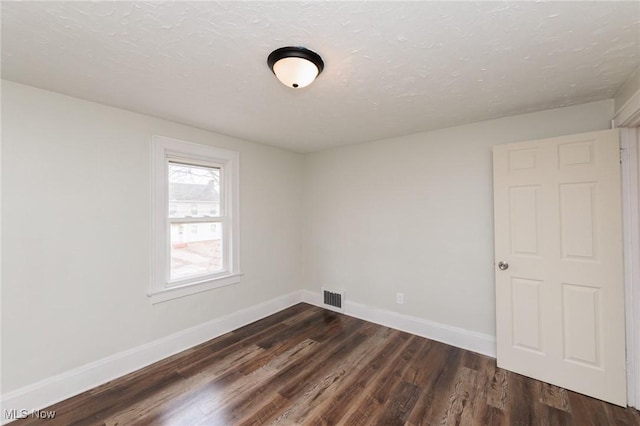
(194,191)
(196,249)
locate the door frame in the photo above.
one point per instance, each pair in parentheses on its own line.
(627,118)
(630,167)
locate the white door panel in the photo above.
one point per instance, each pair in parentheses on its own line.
(560,303)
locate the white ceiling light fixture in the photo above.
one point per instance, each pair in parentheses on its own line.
(295,67)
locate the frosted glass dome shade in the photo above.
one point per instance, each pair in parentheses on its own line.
(295,72)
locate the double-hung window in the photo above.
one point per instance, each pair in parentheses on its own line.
(195,218)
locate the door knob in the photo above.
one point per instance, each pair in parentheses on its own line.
(503,265)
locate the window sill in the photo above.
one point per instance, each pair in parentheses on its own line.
(159,296)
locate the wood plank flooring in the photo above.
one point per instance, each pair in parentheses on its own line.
(306,365)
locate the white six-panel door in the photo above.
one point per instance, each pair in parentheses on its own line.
(558,232)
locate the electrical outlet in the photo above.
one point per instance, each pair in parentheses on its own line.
(400,298)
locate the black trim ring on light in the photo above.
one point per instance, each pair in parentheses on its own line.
(295,52)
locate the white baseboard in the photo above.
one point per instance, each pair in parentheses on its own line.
(476,342)
(73,382)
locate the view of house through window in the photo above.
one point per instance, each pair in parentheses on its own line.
(194,211)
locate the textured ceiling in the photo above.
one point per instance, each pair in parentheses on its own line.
(391,68)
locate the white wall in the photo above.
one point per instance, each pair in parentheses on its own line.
(76,233)
(414,214)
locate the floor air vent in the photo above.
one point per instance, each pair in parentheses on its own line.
(333,299)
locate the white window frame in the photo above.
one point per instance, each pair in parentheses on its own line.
(166,149)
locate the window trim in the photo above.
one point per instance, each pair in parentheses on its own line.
(164,149)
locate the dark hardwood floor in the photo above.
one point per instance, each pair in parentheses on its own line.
(306,365)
